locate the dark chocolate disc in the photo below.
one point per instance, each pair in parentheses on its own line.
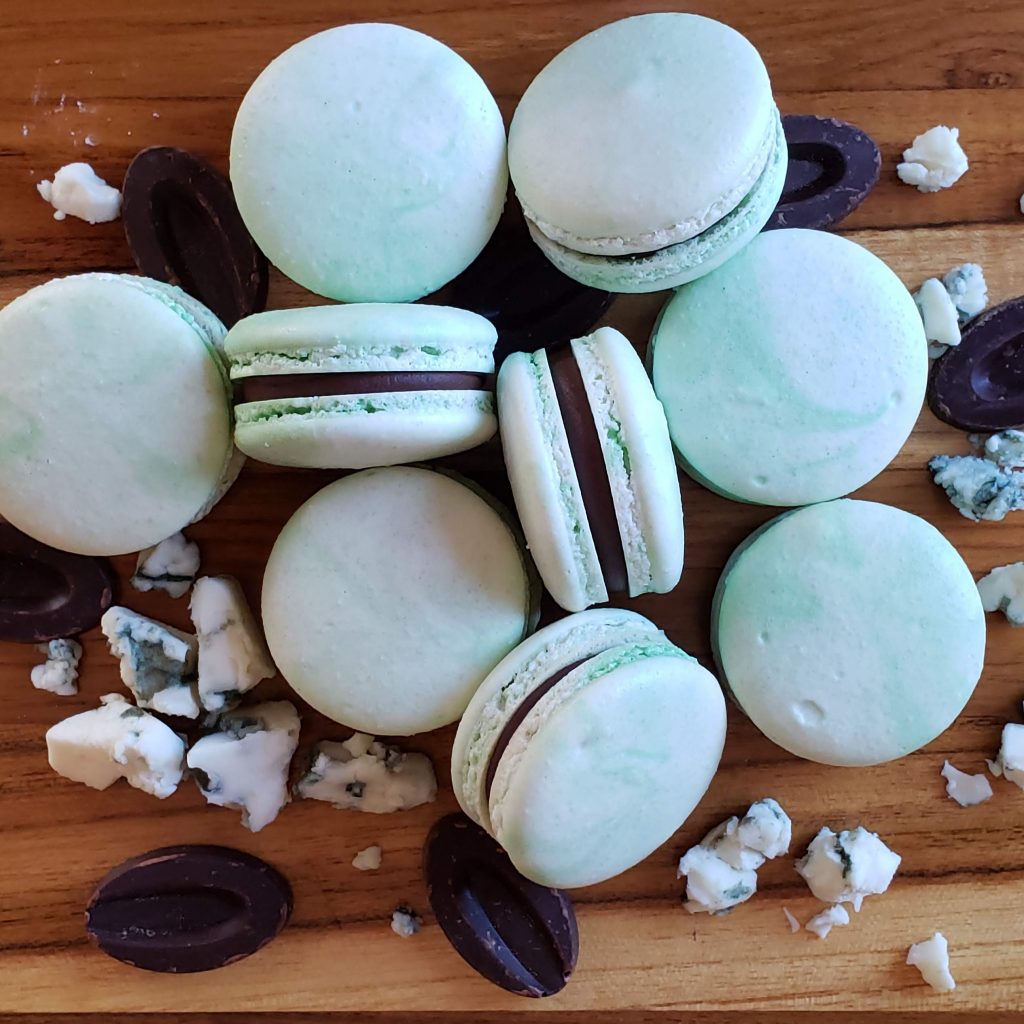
(46,594)
(531,303)
(979,384)
(183,227)
(833,165)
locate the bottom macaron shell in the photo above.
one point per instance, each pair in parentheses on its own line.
(610,773)
(360,431)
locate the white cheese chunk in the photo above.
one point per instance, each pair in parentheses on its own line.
(170,566)
(939,315)
(363,774)
(1005,449)
(368,859)
(766,828)
(233,655)
(77,189)
(794,924)
(59,674)
(244,765)
(158,662)
(966,790)
(821,924)
(117,741)
(931,958)
(935,160)
(405,922)
(845,868)
(1002,590)
(712,884)
(1009,763)
(968,289)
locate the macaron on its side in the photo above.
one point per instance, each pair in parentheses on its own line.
(850,632)
(362,385)
(111,395)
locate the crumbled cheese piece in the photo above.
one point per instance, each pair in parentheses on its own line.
(934,161)
(158,662)
(245,764)
(978,488)
(233,655)
(170,566)
(821,924)
(845,868)
(931,958)
(365,775)
(60,673)
(1005,449)
(405,922)
(78,190)
(939,315)
(794,924)
(1009,762)
(721,871)
(368,859)
(117,741)
(966,790)
(968,289)
(1002,590)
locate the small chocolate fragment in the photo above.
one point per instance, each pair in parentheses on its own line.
(833,165)
(274,387)
(46,594)
(531,303)
(979,384)
(182,909)
(519,935)
(183,227)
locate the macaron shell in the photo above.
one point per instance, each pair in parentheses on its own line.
(360,431)
(850,632)
(638,457)
(605,775)
(368,162)
(544,483)
(115,423)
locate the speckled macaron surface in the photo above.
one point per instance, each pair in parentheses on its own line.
(648,151)
(390,595)
(115,415)
(850,632)
(792,374)
(360,385)
(368,162)
(588,746)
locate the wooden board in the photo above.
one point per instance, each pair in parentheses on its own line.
(131,73)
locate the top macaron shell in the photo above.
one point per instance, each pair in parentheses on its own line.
(794,373)
(642,134)
(115,416)
(356,431)
(368,162)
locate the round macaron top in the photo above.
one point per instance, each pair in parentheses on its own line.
(115,418)
(792,374)
(368,162)
(850,632)
(641,134)
(390,595)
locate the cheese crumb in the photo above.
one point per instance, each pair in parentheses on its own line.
(821,924)
(59,674)
(368,859)
(931,958)
(966,790)
(794,924)
(1009,763)
(405,922)
(935,160)
(847,867)
(939,315)
(1002,590)
(78,190)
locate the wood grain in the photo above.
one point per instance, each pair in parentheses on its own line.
(895,69)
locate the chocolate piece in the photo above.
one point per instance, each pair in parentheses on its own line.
(519,935)
(979,384)
(588,460)
(183,909)
(46,594)
(531,303)
(272,387)
(517,718)
(183,227)
(833,165)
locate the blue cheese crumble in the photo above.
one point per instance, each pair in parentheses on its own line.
(821,924)
(1002,590)
(59,674)
(966,790)
(968,290)
(931,958)
(935,160)
(170,566)
(978,488)
(939,316)
(847,867)
(1009,762)
(405,922)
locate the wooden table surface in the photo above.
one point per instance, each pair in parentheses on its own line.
(129,74)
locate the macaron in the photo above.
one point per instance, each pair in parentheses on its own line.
(794,373)
(590,462)
(115,413)
(362,385)
(588,746)
(390,595)
(850,632)
(368,162)
(648,152)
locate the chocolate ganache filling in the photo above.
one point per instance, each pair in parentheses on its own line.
(274,387)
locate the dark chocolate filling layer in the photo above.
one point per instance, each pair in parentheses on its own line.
(588,460)
(517,719)
(273,387)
